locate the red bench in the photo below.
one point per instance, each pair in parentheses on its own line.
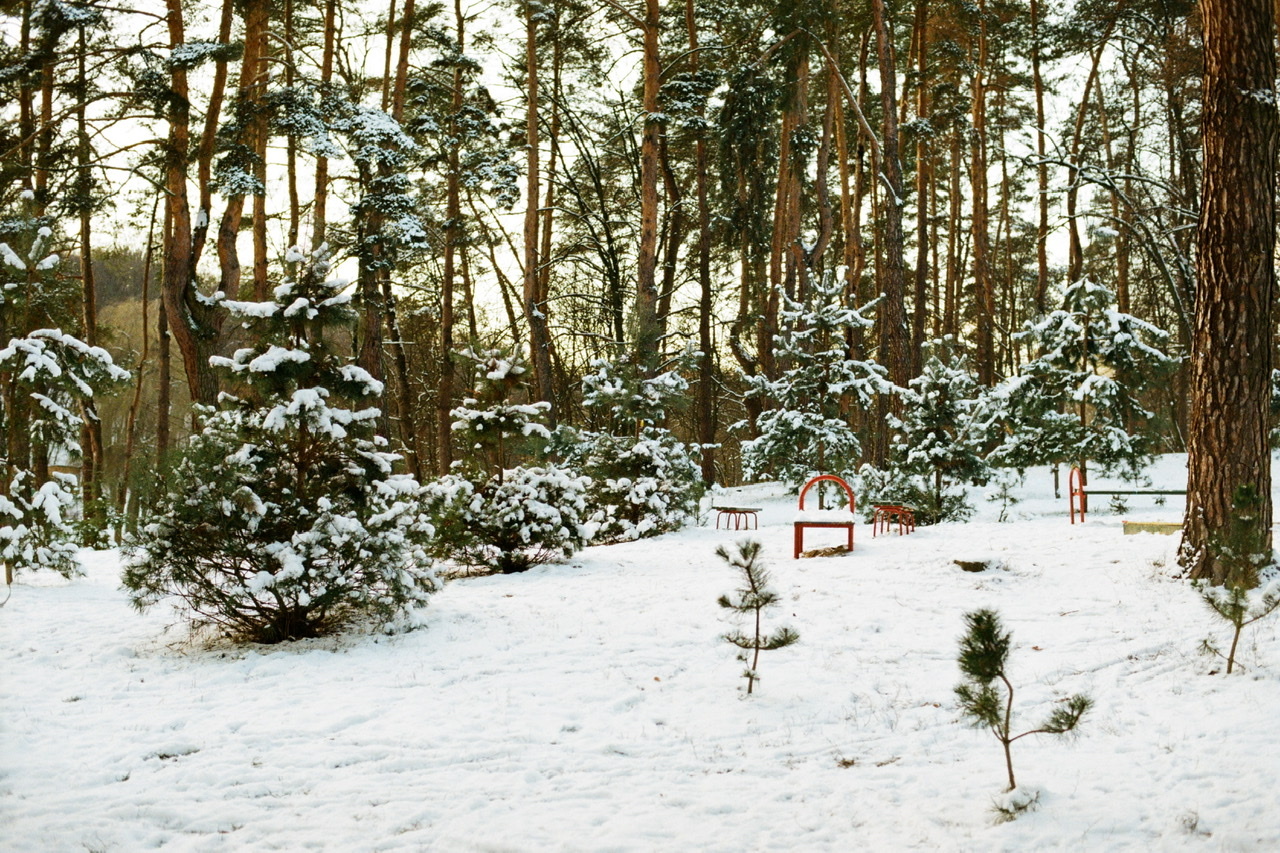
(806,519)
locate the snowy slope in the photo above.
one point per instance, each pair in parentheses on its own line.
(590,706)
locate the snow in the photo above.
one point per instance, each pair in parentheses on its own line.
(592,705)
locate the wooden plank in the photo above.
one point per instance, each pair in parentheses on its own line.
(1131,527)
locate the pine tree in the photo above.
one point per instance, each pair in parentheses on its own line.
(820,384)
(643,481)
(47,376)
(984,657)
(940,438)
(508,519)
(1242,553)
(285,519)
(1080,398)
(751,600)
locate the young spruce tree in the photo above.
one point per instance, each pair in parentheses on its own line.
(752,598)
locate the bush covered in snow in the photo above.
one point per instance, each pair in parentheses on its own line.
(486,514)
(637,486)
(509,523)
(284,519)
(494,426)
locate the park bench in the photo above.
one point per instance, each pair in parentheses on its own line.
(1078,494)
(837,518)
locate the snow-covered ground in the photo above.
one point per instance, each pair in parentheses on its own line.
(591,706)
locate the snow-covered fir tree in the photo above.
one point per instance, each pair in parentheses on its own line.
(285,518)
(47,376)
(643,480)
(489,512)
(1080,398)
(940,438)
(820,385)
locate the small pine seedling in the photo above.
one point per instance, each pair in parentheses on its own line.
(984,654)
(752,598)
(1235,604)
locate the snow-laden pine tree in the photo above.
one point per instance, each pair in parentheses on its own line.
(643,480)
(818,389)
(940,436)
(285,518)
(47,375)
(1080,398)
(491,512)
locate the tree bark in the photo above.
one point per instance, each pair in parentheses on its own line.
(647,331)
(452,227)
(924,177)
(535,307)
(1042,169)
(193,323)
(984,288)
(1227,448)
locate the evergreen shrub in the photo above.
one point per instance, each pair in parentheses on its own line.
(284,519)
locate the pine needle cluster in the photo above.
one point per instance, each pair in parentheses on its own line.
(750,601)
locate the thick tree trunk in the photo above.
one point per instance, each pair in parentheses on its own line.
(1229,463)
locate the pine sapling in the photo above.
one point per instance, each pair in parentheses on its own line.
(1235,604)
(752,598)
(1240,553)
(984,654)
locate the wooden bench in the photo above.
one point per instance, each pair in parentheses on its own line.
(1078,494)
(837,518)
(739,515)
(882,515)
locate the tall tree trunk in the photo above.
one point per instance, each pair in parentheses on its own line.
(126,506)
(984,287)
(319,206)
(894,340)
(706,347)
(1229,461)
(955,267)
(92,462)
(924,176)
(251,100)
(194,323)
(1042,168)
(535,306)
(647,332)
(164,377)
(1075,253)
(452,226)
